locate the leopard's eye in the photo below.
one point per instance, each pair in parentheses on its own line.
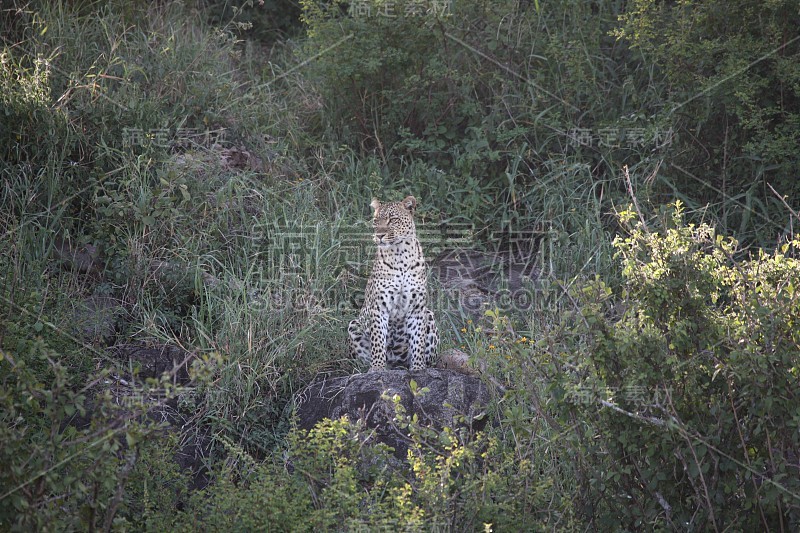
(392,220)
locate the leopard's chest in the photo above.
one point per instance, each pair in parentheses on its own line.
(397,284)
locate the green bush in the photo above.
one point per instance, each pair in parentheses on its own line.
(694,369)
(263,498)
(337,478)
(98,101)
(54,474)
(478,105)
(733,70)
(259,20)
(334,478)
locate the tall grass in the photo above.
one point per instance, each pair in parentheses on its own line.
(250,249)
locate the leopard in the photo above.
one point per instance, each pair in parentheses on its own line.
(395,328)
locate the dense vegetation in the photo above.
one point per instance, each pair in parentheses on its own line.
(222,159)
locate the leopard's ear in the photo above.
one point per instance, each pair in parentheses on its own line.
(410,203)
(375,204)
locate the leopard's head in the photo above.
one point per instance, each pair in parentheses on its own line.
(393,221)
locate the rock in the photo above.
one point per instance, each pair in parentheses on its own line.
(177,414)
(153,361)
(475,281)
(240,159)
(359,396)
(94,319)
(83,259)
(458,361)
(167,270)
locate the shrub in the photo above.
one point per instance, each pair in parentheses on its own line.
(56,472)
(337,478)
(689,389)
(733,71)
(481,104)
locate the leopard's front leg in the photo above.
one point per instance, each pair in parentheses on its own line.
(415,329)
(379,335)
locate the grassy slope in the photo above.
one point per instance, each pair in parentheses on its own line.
(116,137)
